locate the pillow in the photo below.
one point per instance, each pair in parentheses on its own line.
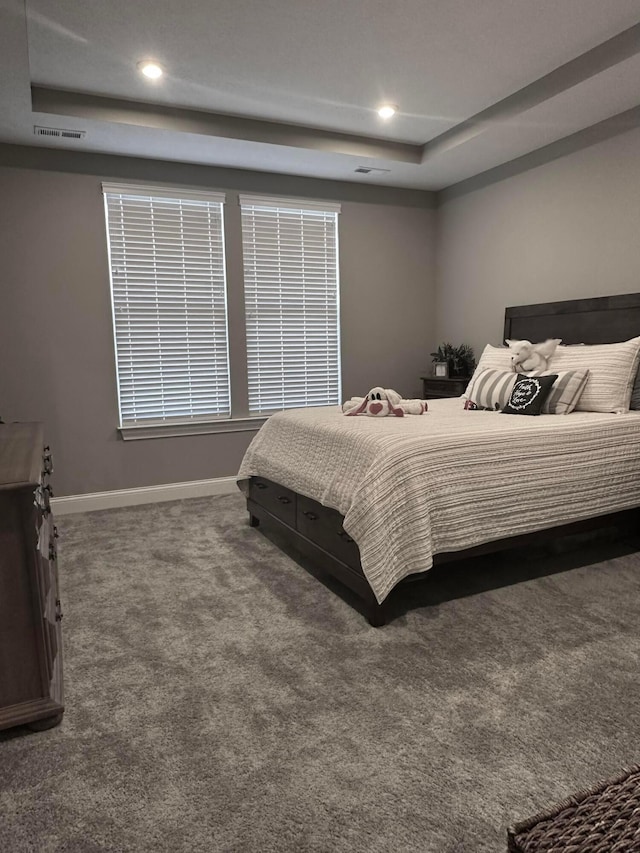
(529,394)
(496,358)
(492,388)
(489,389)
(566,392)
(635,394)
(612,371)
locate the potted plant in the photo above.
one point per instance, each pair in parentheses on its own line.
(460,360)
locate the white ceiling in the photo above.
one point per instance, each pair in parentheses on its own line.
(323,65)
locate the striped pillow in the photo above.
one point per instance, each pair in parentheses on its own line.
(566,391)
(491,388)
(635,394)
(612,371)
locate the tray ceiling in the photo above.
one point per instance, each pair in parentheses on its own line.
(293,87)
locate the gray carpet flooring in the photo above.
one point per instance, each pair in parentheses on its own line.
(219,698)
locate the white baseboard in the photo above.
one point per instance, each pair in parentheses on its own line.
(144,495)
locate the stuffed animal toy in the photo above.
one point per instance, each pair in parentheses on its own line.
(527,357)
(381,402)
(470,406)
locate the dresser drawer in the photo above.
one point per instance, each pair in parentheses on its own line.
(42,498)
(31,683)
(324,527)
(278,500)
(47,462)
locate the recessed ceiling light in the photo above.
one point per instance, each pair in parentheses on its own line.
(150,69)
(387,110)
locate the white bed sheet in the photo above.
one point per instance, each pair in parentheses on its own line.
(416,486)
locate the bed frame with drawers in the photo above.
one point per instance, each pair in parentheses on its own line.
(315,531)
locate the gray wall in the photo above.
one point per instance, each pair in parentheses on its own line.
(56,346)
(567,229)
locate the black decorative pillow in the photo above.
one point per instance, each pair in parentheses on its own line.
(529,394)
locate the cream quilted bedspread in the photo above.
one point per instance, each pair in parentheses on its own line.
(413,487)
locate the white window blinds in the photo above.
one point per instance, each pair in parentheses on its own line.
(168,287)
(290,251)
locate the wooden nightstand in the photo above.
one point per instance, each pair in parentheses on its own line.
(437,386)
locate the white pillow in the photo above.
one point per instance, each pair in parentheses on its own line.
(492,358)
(635,393)
(612,371)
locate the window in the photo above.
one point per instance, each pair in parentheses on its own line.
(290,251)
(170,315)
(166,254)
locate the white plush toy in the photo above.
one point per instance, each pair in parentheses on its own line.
(527,357)
(381,402)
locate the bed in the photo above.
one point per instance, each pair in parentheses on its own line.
(377,502)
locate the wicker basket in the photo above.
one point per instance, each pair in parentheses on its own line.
(603,819)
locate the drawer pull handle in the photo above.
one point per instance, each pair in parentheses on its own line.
(284,499)
(261,485)
(344,536)
(310,515)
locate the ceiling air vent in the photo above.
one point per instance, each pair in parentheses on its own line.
(59,133)
(369,170)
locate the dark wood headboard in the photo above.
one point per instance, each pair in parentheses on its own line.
(602,320)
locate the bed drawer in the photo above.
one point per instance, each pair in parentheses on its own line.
(324,527)
(278,500)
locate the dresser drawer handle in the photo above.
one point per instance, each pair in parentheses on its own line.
(310,515)
(344,536)
(284,499)
(261,485)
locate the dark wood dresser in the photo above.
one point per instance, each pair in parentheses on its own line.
(30,634)
(439,386)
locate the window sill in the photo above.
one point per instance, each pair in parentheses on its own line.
(135,433)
